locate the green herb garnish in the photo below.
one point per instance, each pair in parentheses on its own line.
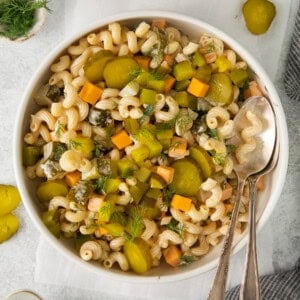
(100,184)
(177,227)
(135,223)
(168,194)
(17,17)
(231,148)
(59,150)
(213,133)
(118,217)
(187,259)
(218,158)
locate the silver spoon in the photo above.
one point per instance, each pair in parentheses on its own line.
(258,160)
(250,287)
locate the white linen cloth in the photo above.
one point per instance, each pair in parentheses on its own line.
(54,268)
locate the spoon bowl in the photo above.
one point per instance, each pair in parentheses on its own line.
(255,127)
(265,139)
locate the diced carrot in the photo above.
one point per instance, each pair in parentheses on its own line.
(101,231)
(160,23)
(167,173)
(260,184)
(172,255)
(253,90)
(197,87)
(169,59)
(181,203)
(228,208)
(72,178)
(226,192)
(178,147)
(169,82)
(121,139)
(95,203)
(90,93)
(143,61)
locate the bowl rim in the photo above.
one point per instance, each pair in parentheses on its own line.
(127,16)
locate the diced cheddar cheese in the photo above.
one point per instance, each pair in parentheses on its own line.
(121,139)
(90,93)
(181,203)
(198,88)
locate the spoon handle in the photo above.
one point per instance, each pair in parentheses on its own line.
(218,288)
(250,288)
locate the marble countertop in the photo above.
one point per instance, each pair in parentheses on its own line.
(18,63)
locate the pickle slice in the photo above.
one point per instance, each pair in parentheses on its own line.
(49,189)
(204,161)
(220,89)
(9,199)
(119,71)
(93,69)
(9,225)
(138,254)
(258,15)
(187,179)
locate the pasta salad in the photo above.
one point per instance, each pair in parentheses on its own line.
(130,145)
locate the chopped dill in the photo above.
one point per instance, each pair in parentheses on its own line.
(60,128)
(17,17)
(231,148)
(168,194)
(218,158)
(177,227)
(118,217)
(229,215)
(148,111)
(74,144)
(100,182)
(187,259)
(213,133)
(59,150)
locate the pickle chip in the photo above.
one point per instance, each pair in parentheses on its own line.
(138,254)
(9,224)
(93,69)
(187,179)
(258,15)
(220,89)
(204,161)
(119,71)
(9,199)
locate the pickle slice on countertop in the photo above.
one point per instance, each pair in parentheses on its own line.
(9,224)
(9,199)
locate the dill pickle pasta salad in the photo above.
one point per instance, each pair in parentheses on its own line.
(130,145)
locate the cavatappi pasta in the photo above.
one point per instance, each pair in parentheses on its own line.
(131,144)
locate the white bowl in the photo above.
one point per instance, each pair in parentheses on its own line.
(267,199)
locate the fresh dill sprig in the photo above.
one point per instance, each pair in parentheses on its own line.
(17,17)
(135,223)
(118,217)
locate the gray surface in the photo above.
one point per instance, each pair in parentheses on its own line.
(17,257)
